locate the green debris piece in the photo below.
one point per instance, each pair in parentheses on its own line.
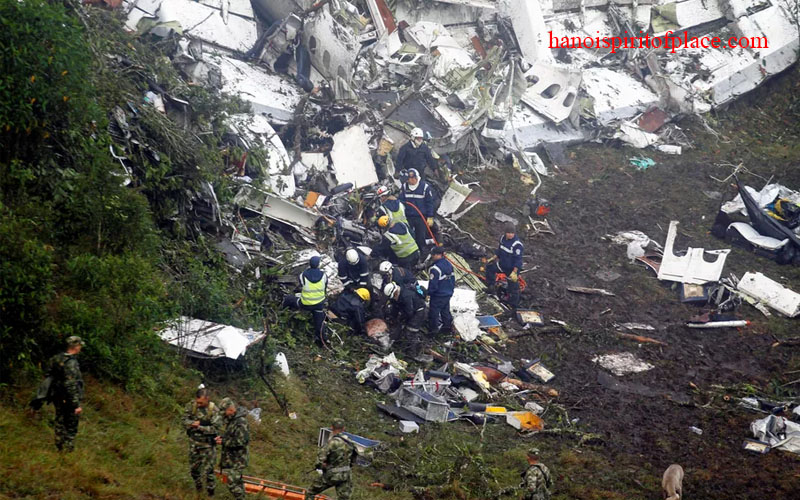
(642,163)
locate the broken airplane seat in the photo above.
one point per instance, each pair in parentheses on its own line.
(271,489)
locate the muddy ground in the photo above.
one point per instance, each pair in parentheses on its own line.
(645,418)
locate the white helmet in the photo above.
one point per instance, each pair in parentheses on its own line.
(390,289)
(382,190)
(416,133)
(385,267)
(352,256)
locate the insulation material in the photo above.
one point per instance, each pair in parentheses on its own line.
(622,363)
(351,158)
(467,326)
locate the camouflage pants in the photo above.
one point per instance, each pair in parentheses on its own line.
(536,496)
(201,462)
(235,481)
(66,427)
(342,482)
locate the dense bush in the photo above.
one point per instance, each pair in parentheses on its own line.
(78,251)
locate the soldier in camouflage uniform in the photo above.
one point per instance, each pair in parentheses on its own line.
(234,441)
(536,481)
(203,423)
(66,392)
(334,460)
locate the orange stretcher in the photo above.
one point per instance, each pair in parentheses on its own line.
(272,489)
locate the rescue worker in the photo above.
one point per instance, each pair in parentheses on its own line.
(203,423)
(391,206)
(314,283)
(354,269)
(509,261)
(66,393)
(396,274)
(536,481)
(409,310)
(351,306)
(234,440)
(334,463)
(398,243)
(440,289)
(418,197)
(416,154)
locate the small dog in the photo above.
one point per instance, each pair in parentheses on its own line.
(672,482)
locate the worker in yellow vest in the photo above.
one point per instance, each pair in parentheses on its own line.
(398,243)
(314,284)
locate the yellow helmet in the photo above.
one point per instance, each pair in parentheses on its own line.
(383,220)
(363,293)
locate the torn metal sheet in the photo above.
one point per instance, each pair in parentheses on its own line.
(268,94)
(453,198)
(652,120)
(274,207)
(682,15)
(590,291)
(770,292)
(692,268)
(205,339)
(381,17)
(351,158)
(195,20)
(622,363)
(616,95)
(527,129)
(780,433)
(258,132)
(755,238)
(332,43)
(553,90)
(528,21)
(501,217)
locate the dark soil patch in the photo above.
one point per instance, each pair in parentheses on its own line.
(645,417)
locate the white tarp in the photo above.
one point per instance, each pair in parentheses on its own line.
(207,339)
